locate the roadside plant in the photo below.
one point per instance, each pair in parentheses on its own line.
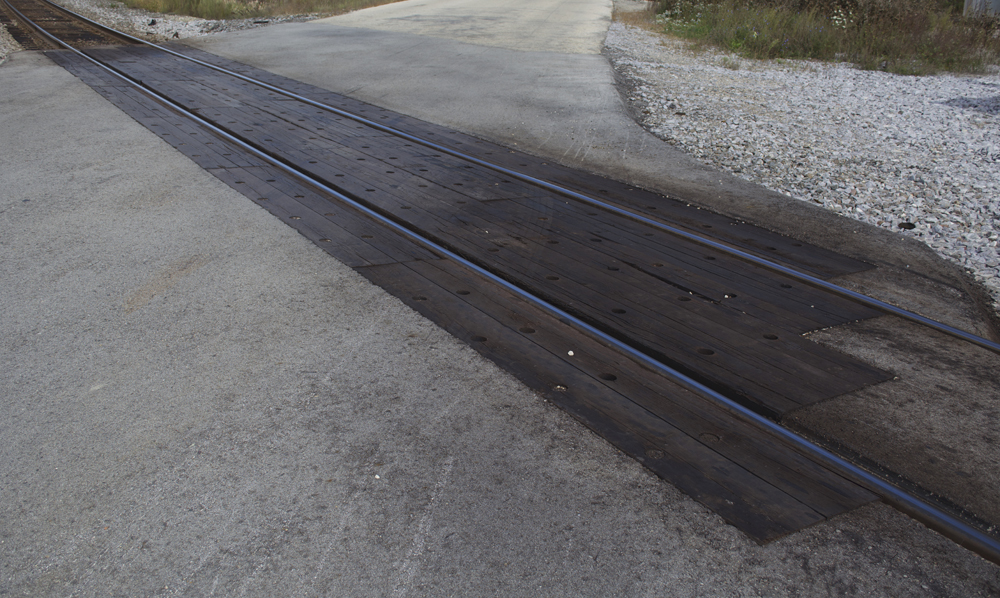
(902,36)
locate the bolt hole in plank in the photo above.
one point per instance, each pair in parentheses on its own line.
(617,311)
(479,339)
(462,292)
(527,329)
(705,351)
(419,298)
(608,377)
(551,278)
(771,337)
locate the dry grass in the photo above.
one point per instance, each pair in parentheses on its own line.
(644,18)
(913,37)
(242,9)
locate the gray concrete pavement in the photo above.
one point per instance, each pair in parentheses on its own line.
(197,401)
(564,26)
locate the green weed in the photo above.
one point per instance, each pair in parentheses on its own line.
(902,36)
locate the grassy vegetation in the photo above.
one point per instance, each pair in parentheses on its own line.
(242,9)
(902,36)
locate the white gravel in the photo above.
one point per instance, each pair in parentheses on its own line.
(7,44)
(155,26)
(137,22)
(881,148)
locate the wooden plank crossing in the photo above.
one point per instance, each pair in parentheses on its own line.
(748,477)
(731,325)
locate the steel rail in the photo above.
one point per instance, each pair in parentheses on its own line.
(103,29)
(935,518)
(739,253)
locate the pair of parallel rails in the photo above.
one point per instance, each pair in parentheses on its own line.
(686,349)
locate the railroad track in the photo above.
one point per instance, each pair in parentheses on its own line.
(685,350)
(62,24)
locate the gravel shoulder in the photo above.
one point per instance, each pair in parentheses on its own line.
(161,27)
(7,44)
(916,155)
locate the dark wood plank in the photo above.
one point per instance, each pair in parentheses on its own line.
(771,245)
(805,256)
(701,419)
(737,361)
(342,232)
(707,271)
(726,348)
(796,375)
(82,69)
(744,474)
(759,507)
(201,145)
(740,234)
